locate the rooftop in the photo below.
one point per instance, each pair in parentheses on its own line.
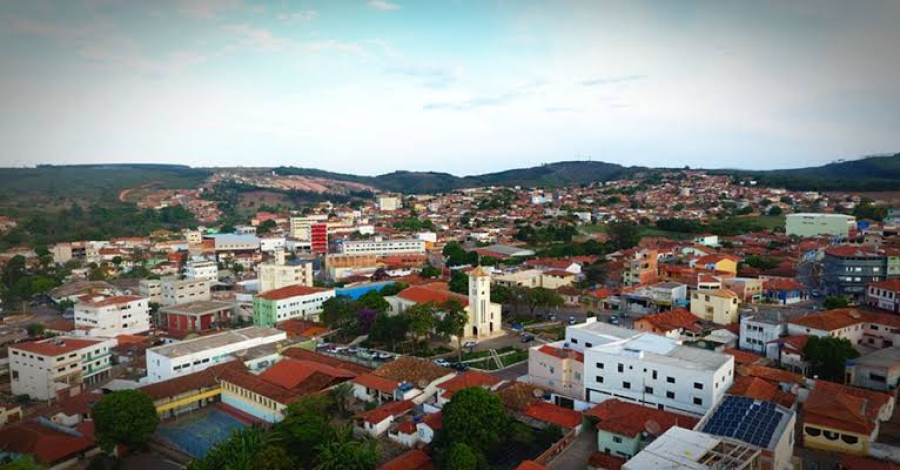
(56,346)
(756,422)
(289,291)
(199,307)
(218,340)
(629,419)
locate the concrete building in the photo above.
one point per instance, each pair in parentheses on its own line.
(300,225)
(381,247)
(878,370)
(175,291)
(649,369)
(715,305)
(748,289)
(557,368)
(683,449)
(289,302)
(884,295)
(813,224)
(202,269)
(848,270)
(295,273)
(759,332)
(185,357)
(641,267)
(113,316)
(196,317)
(58,367)
(388,202)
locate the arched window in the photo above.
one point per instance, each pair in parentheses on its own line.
(852,440)
(814,432)
(830,435)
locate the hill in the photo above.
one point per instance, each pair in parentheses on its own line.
(876,173)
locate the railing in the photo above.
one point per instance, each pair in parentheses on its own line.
(557,448)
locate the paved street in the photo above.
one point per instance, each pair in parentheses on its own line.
(512,373)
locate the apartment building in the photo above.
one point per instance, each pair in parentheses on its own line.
(884,295)
(557,368)
(811,224)
(760,332)
(300,226)
(289,302)
(113,316)
(715,305)
(194,355)
(381,247)
(202,269)
(848,270)
(59,366)
(275,276)
(748,289)
(650,370)
(174,291)
(641,267)
(388,202)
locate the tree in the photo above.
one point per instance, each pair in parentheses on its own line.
(454,322)
(341,394)
(456,255)
(273,457)
(387,329)
(834,301)
(36,329)
(623,235)
(542,297)
(460,457)
(374,300)
(241,451)
(22,462)
(595,273)
(775,210)
(365,318)
(343,453)
(393,289)
(500,294)
(421,321)
(459,282)
(125,417)
(475,417)
(429,271)
(827,356)
(305,426)
(266,227)
(338,312)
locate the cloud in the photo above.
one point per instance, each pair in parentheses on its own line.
(612,80)
(431,76)
(302,15)
(206,9)
(485,101)
(383,5)
(257,38)
(351,48)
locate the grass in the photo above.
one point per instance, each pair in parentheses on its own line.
(593,228)
(771,221)
(515,357)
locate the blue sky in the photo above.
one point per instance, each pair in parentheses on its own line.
(460,86)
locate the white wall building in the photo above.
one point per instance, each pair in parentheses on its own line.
(113,316)
(650,369)
(45,369)
(289,302)
(185,357)
(275,276)
(300,225)
(388,202)
(380,247)
(812,224)
(757,332)
(202,269)
(175,291)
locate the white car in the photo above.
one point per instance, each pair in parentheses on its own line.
(469,344)
(442,362)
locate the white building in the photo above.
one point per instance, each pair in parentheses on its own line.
(57,366)
(388,202)
(379,247)
(289,302)
(275,276)
(270,244)
(683,449)
(202,269)
(757,332)
(113,316)
(174,291)
(649,369)
(300,225)
(812,224)
(185,357)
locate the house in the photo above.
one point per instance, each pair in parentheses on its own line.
(541,414)
(53,445)
(405,378)
(196,317)
(641,267)
(9,413)
(785,291)
(294,301)
(718,262)
(761,389)
(677,324)
(472,378)
(112,316)
(623,427)
(757,423)
(715,305)
(844,419)
(748,289)
(878,370)
(557,368)
(866,327)
(884,295)
(680,448)
(410,460)
(757,331)
(377,421)
(59,366)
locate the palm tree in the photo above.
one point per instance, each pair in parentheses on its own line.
(341,395)
(344,453)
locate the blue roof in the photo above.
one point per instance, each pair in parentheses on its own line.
(752,421)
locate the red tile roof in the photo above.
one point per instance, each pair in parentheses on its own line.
(550,413)
(435,421)
(412,370)
(677,319)
(410,460)
(288,292)
(48,445)
(206,378)
(387,410)
(307,355)
(627,419)
(782,284)
(378,383)
(743,357)
(890,284)
(561,353)
(772,374)
(530,465)
(854,462)
(56,346)
(760,389)
(846,408)
(289,373)
(472,378)
(299,327)
(603,461)
(831,320)
(423,294)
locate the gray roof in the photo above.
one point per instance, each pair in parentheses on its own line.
(887,358)
(192,346)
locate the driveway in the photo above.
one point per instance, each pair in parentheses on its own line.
(512,373)
(578,453)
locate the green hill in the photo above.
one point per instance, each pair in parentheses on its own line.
(877,173)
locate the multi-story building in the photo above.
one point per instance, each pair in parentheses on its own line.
(388,202)
(300,225)
(884,295)
(204,269)
(57,367)
(381,247)
(275,276)
(173,290)
(847,270)
(194,355)
(557,368)
(113,316)
(195,317)
(649,369)
(811,224)
(759,333)
(715,305)
(289,302)
(748,289)
(318,238)
(641,267)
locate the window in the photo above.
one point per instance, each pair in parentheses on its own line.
(698,401)
(588,345)
(599,365)
(574,340)
(648,390)
(698,385)
(670,380)
(617,439)
(621,367)
(670,394)
(654,375)
(626,385)
(599,379)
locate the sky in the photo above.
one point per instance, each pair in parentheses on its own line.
(466,87)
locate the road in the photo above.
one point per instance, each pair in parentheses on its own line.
(512,373)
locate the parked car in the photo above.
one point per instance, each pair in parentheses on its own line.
(815,293)
(383,356)
(614,319)
(469,344)
(365,354)
(552,317)
(527,338)
(460,366)
(573,320)
(442,362)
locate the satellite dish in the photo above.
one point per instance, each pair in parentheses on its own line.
(422,384)
(538,393)
(652,427)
